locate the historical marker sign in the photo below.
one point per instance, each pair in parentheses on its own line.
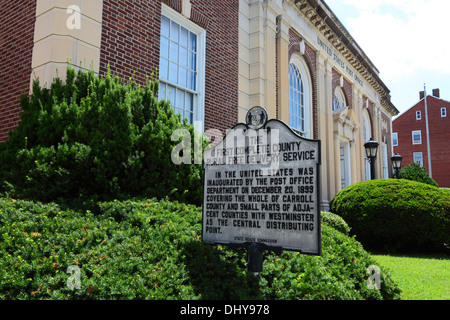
(262,186)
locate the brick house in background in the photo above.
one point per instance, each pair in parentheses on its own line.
(410,136)
(215,59)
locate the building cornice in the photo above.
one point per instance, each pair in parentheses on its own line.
(326,22)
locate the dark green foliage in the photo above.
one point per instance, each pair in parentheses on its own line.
(395,214)
(96,137)
(153,250)
(415,172)
(335,221)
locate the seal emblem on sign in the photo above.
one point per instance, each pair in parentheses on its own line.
(256,117)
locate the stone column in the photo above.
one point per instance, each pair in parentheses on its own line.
(66,30)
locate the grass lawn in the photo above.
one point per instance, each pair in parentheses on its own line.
(420,277)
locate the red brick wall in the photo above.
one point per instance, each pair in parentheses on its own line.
(130,43)
(17,19)
(222,60)
(439,128)
(311,60)
(130,38)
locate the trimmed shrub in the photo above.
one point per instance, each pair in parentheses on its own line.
(394,214)
(97,137)
(416,172)
(335,221)
(145,249)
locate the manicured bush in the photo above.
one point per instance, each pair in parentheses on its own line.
(97,137)
(393,214)
(147,249)
(416,172)
(335,221)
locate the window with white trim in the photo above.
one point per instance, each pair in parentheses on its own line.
(417,137)
(395,139)
(299,97)
(338,99)
(443,112)
(181,66)
(418,115)
(418,158)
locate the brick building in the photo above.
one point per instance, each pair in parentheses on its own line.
(215,60)
(410,136)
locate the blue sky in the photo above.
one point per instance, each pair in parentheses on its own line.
(407,40)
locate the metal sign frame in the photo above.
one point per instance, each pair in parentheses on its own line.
(258,247)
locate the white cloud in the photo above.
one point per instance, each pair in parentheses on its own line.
(402,37)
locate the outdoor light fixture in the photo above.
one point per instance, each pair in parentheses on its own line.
(371,147)
(396,163)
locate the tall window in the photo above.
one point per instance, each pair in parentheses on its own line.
(181,65)
(443,112)
(395,139)
(299,95)
(418,158)
(417,137)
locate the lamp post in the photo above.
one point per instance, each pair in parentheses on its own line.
(371,147)
(396,163)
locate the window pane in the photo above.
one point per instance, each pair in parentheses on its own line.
(163,68)
(164,47)
(189,102)
(192,61)
(162,91)
(165,27)
(173,72)
(170,94)
(184,36)
(174,52)
(193,42)
(191,80)
(174,31)
(183,57)
(182,78)
(180,99)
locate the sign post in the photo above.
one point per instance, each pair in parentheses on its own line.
(261,190)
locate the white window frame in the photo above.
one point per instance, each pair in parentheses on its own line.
(300,63)
(421,158)
(338,99)
(420,134)
(443,112)
(395,139)
(199,101)
(418,115)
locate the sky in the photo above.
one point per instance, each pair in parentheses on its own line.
(407,40)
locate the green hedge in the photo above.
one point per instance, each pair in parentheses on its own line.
(393,214)
(144,249)
(335,221)
(97,137)
(415,172)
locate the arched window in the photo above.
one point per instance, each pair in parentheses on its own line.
(299,96)
(338,99)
